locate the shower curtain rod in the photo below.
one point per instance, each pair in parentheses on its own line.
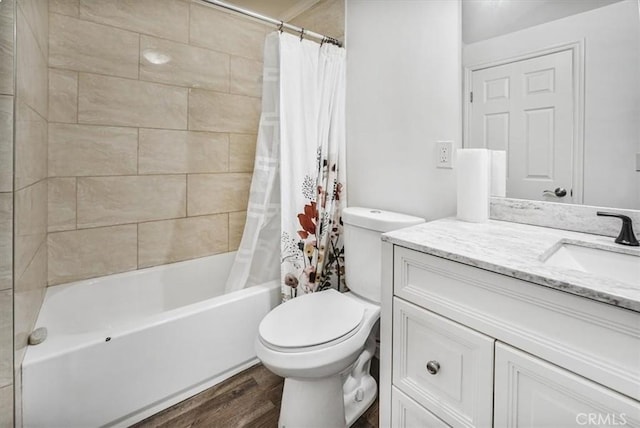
(280,24)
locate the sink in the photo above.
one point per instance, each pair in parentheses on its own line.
(597,261)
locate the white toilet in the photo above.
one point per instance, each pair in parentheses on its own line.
(322,343)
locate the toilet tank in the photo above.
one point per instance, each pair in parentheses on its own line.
(362,246)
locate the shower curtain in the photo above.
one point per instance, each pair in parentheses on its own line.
(294,227)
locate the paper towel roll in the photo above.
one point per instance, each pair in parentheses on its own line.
(499,173)
(473,173)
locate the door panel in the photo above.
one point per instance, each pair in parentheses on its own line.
(527,108)
(538,158)
(496,127)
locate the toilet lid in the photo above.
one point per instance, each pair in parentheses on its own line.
(312,319)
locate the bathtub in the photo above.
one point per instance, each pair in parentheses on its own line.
(123,347)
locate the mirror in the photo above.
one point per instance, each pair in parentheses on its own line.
(556,84)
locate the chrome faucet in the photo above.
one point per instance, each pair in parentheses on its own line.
(626,236)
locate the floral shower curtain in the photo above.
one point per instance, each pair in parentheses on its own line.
(312,173)
(302,128)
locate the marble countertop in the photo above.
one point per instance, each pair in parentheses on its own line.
(519,251)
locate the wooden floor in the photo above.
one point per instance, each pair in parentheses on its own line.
(249,399)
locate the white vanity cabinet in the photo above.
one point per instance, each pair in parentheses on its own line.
(530,392)
(465,347)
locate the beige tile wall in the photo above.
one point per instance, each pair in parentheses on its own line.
(83,252)
(7,51)
(6,142)
(6,241)
(150,145)
(6,309)
(28,182)
(7,18)
(6,406)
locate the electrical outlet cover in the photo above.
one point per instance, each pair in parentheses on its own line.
(444,154)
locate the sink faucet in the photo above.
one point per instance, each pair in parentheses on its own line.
(626,236)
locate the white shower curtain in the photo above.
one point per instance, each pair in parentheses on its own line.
(258,257)
(298,190)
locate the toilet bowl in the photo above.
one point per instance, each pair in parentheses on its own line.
(322,343)
(316,366)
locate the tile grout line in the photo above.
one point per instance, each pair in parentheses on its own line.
(228,152)
(186,208)
(137,246)
(77,96)
(228,232)
(189,22)
(158,220)
(139,53)
(138,152)
(229,74)
(76,213)
(186,195)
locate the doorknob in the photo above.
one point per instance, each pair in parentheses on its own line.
(558,193)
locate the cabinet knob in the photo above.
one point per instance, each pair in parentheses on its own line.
(433,367)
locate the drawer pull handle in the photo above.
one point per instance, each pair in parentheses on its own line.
(433,367)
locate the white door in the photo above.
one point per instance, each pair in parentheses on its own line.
(530,392)
(527,108)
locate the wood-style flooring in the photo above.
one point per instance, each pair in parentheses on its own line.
(248,399)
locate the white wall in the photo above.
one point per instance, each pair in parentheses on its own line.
(403,95)
(612,80)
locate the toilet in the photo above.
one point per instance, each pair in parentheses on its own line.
(322,343)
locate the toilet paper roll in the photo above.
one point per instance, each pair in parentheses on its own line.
(474,182)
(499,173)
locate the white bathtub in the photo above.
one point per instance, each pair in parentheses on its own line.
(125,346)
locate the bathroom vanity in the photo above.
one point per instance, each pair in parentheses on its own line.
(493,324)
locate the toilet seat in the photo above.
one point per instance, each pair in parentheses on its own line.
(311,321)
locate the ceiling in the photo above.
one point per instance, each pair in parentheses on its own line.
(483,19)
(283,10)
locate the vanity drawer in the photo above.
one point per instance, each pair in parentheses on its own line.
(406,413)
(596,340)
(459,388)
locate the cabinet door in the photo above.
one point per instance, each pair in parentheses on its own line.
(530,392)
(409,414)
(444,366)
